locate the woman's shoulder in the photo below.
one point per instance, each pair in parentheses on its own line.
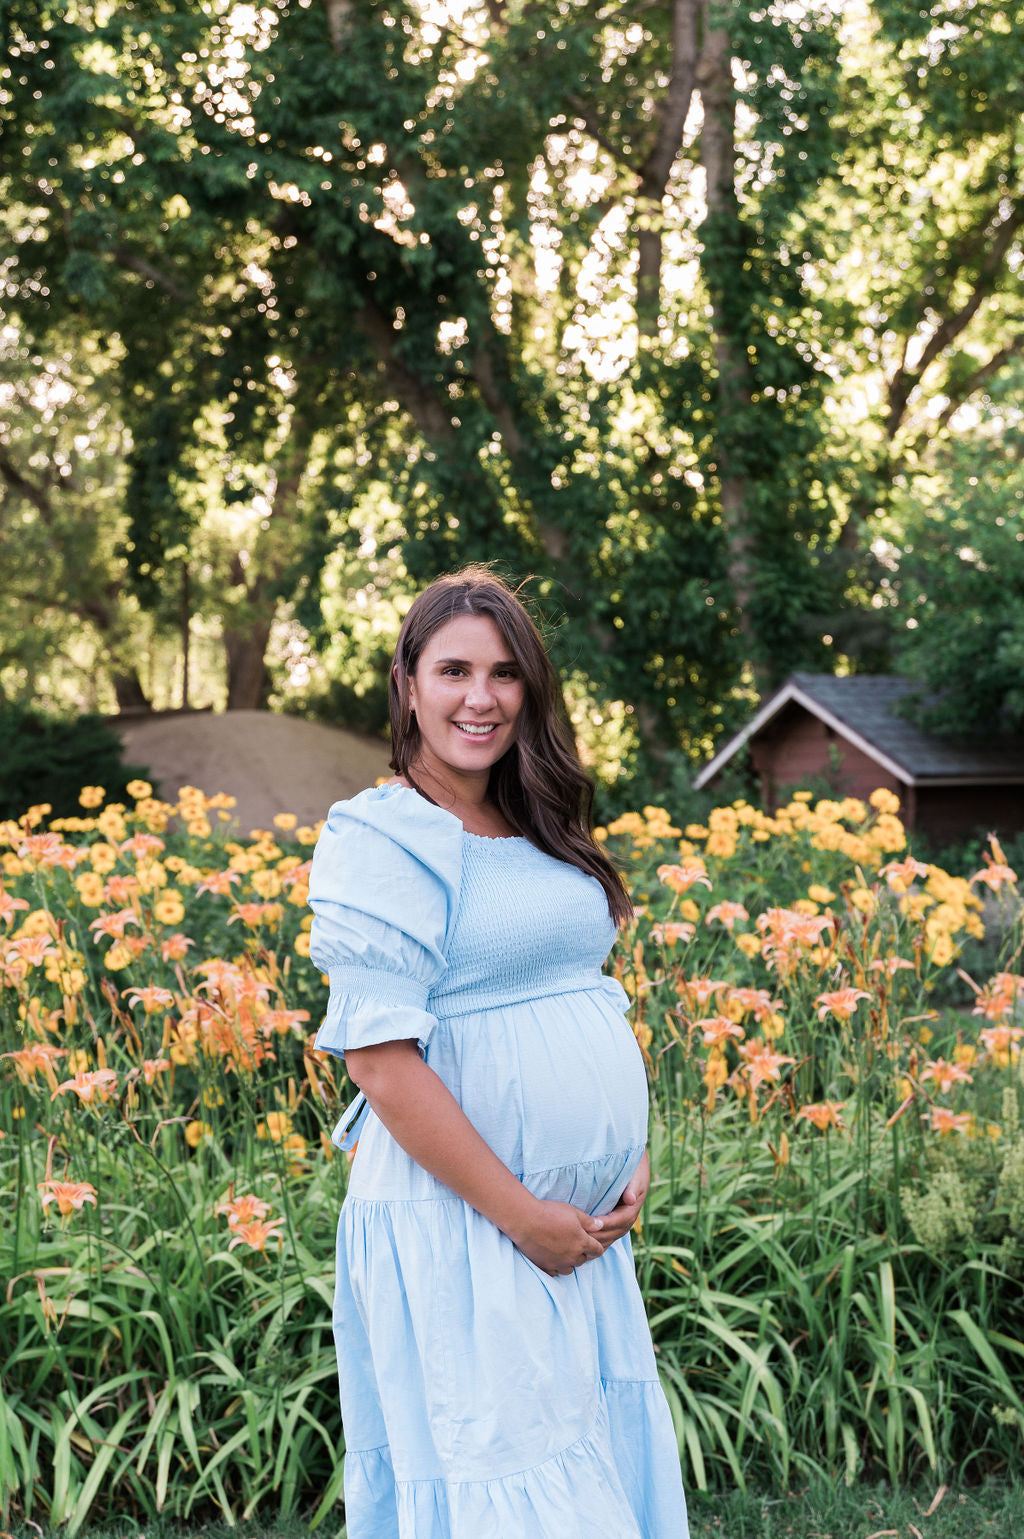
(391,823)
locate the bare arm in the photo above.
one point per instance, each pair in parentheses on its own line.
(422,1115)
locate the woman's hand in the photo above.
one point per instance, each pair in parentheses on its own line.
(626,1212)
(558,1237)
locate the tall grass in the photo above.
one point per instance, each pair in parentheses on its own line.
(827,1302)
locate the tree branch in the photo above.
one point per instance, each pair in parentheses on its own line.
(138,264)
(904,381)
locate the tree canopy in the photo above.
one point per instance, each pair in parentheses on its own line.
(677,310)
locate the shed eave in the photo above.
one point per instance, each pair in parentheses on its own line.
(772,707)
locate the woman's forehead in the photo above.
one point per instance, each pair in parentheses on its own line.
(468,638)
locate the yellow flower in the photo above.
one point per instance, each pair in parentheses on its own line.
(169,907)
(118,957)
(199,828)
(286,821)
(277,1127)
(139,789)
(103,858)
(819,893)
(884,801)
(111,824)
(91,796)
(302,944)
(39,922)
(721,844)
(266,883)
(306,835)
(942,951)
(196,1132)
(750,945)
(90,888)
(864,900)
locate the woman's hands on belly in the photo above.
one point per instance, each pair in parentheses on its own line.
(623,1216)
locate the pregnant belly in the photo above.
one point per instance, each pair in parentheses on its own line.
(556,1087)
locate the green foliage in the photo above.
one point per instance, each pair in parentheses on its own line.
(957,553)
(49,759)
(163,1357)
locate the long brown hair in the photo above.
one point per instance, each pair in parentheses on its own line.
(539,784)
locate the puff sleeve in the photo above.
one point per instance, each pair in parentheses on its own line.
(384,890)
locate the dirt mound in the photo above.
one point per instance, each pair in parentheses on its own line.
(268,763)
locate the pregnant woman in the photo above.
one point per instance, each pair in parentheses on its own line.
(497,1374)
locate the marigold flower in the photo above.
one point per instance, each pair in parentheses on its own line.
(884,800)
(91,796)
(824,1114)
(840,1002)
(196,1132)
(819,894)
(286,821)
(138,789)
(68,1195)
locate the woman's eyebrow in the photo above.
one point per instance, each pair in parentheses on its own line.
(461,662)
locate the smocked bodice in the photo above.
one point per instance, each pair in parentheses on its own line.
(527,926)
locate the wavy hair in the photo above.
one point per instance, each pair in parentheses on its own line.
(539,784)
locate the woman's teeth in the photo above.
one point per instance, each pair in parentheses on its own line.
(483,731)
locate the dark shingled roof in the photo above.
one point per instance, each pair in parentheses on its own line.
(864,702)
(863,705)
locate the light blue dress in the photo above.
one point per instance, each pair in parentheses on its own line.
(481,1398)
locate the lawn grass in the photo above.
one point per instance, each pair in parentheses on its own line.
(992,1511)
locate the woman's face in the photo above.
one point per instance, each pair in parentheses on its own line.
(467,692)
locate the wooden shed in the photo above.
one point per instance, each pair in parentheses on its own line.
(948,790)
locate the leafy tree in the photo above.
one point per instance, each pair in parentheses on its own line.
(958,576)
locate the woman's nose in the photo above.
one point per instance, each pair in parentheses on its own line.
(479,693)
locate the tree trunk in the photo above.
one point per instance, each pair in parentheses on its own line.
(248,675)
(724,244)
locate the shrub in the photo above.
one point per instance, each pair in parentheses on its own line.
(47,759)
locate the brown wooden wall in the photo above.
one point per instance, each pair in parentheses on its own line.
(796,746)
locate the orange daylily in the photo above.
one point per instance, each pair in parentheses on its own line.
(68,1195)
(726,913)
(840,1002)
(114,925)
(762,1062)
(152,998)
(824,1114)
(946,1075)
(90,1085)
(681,878)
